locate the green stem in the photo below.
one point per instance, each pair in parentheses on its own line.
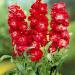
(54,71)
(37,71)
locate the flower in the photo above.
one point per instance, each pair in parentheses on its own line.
(59,35)
(53,47)
(39,22)
(17,27)
(35,54)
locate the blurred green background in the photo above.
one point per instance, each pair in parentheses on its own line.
(5,40)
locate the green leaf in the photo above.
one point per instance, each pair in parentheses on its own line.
(32,73)
(13,72)
(20,68)
(6,57)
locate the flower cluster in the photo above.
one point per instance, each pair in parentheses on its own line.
(17,27)
(39,22)
(34,36)
(59,34)
(38,25)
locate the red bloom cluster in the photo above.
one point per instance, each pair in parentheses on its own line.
(24,37)
(39,26)
(59,34)
(35,36)
(39,22)
(17,27)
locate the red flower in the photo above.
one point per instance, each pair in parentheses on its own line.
(20,15)
(59,34)
(60,28)
(23,26)
(43,8)
(42,26)
(57,27)
(13,8)
(55,38)
(59,6)
(15,34)
(21,40)
(13,23)
(63,43)
(42,18)
(17,27)
(35,54)
(11,16)
(38,37)
(36,4)
(65,23)
(34,12)
(65,35)
(21,48)
(60,18)
(52,47)
(33,23)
